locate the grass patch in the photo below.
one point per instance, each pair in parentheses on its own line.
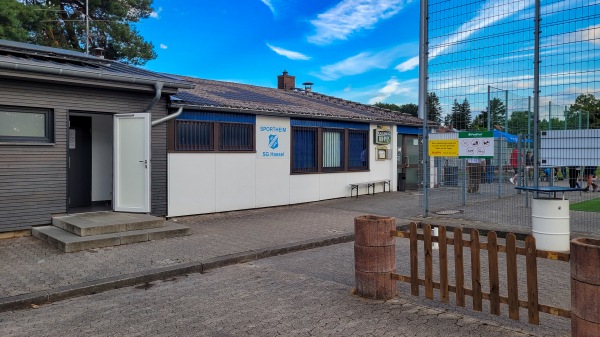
(587,206)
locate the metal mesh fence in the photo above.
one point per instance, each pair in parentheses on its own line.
(482,76)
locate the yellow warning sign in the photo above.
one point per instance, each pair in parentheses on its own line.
(443,148)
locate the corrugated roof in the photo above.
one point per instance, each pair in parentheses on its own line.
(208,94)
(20,56)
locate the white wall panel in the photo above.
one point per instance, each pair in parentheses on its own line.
(304,188)
(272,172)
(332,185)
(272,182)
(236,181)
(192,183)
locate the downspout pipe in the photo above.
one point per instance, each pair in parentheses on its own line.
(168,117)
(157,93)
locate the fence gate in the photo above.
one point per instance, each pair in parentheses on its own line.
(475,292)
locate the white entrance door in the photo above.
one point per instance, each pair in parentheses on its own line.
(132,163)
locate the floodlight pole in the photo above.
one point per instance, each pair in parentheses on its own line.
(536,95)
(423,101)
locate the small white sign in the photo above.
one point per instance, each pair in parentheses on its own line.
(72,137)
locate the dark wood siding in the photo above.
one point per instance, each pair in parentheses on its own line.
(33,178)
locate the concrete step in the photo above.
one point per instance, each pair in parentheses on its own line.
(69,242)
(96,223)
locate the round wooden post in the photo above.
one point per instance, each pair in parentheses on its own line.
(585,287)
(374,256)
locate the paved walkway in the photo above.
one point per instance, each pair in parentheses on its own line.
(31,271)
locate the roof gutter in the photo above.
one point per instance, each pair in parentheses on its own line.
(84,73)
(281,114)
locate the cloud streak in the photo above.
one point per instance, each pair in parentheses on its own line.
(292,55)
(270,5)
(351,16)
(393,86)
(163,46)
(155,14)
(490,13)
(361,63)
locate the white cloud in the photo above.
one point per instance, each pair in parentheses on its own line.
(350,16)
(163,46)
(490,13)
(361,63)
(154,14)
(269,4)
(589,34)
(409,64)
(292,55)
(408,89)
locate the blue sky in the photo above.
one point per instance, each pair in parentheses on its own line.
(361,50)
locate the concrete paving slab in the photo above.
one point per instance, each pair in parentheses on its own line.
(31,267)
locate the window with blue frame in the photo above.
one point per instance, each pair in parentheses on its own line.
(202,131)
(329,146)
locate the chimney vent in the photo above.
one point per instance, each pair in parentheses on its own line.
(98,52)
(286,82)
(307,86)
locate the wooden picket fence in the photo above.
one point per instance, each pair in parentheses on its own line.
(493,248)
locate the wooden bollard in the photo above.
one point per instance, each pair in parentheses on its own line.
(585,287)
(374,256)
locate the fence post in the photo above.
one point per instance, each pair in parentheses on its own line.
(585,287)
(375,256)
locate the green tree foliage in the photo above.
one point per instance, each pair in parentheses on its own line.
(389,106)
(497,113)
(410,108)
(586,105)
(460,118)
(435,108)
(520,123)
(61,24)
(480,122)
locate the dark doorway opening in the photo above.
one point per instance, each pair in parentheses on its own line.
(80,161)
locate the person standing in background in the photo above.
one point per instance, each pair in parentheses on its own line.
(514,163)
(588,174)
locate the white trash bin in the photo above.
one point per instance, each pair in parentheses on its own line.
(550,224)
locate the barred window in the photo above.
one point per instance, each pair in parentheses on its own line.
(194,136)
(199,131)
(304,149)
(236,137)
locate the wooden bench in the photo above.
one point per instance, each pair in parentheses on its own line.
(370,184)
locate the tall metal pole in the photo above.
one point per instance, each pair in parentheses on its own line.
(423,101)
(528,119)
(87,28)
(506,111)
(565,117)
(489,110)
(536,94)
(549,115)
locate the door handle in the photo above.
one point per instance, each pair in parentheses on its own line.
(407,160)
